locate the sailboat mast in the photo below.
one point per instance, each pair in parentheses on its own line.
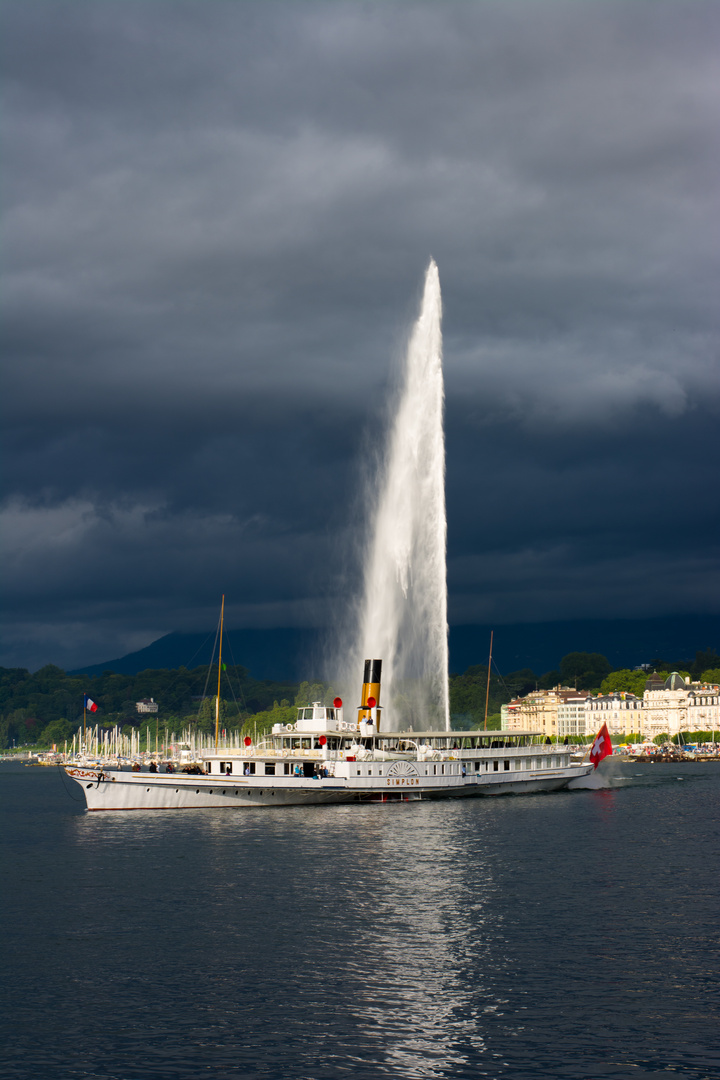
(217,703)
(487,690)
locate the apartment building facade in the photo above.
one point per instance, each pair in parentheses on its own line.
(667,707)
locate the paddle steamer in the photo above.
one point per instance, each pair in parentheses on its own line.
(323,758)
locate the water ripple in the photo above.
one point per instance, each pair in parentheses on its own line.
(551,936)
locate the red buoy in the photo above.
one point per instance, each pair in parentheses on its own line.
(371,703)
(247,740)
(338,703)
(322,740)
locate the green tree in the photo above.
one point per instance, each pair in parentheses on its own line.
(206,717)
(309,692)
(57,731)
(712,676)
(705,661)
(468,694)
(521,682)
(584,670)
(549,680)
(281,713)
(624,681)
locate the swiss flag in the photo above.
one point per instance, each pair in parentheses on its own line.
(601,747)
(90,704)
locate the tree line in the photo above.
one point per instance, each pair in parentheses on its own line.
(46,707)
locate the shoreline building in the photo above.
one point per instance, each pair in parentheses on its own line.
(668,706)
(146,706)
(572,718)
(538,710)
(622,712)
(674,705)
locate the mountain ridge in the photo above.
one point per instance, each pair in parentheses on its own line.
(293,654)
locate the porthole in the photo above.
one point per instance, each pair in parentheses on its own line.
(148,789)
(176,790)
(197,790)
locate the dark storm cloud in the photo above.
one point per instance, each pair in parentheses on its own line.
(216,220)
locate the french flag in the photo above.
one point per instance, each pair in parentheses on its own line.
(90,704)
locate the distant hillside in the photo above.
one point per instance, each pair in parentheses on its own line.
(283,655)
(292,654)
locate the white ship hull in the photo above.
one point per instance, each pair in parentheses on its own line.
(149,791)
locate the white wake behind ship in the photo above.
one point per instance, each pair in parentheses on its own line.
(323,758)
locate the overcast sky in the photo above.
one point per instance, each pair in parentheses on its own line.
(216,222)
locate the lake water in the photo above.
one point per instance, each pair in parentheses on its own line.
(568,935)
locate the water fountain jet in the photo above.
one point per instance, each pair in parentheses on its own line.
(403,611)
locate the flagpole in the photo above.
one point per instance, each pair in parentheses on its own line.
(85,722)
(217,703)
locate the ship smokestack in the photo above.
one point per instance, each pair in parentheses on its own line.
(370,707)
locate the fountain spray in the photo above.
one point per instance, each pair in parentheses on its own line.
(403,612)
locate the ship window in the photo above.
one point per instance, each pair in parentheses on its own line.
(379,772)
(442,769)
(270,768)
(369,772)
(507,766)
(477,766)
(495,766)
(358,772)
(434,770)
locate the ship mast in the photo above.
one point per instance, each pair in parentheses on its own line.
(487,689)
(217,702)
